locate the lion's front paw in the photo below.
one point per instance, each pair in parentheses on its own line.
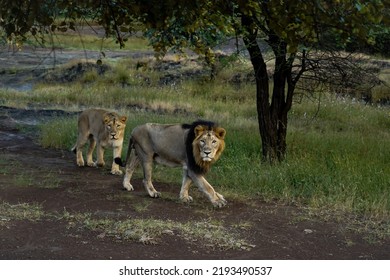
(220,201)
(128,186)
(80,162)
(155,194)
(186,199)
(116,172)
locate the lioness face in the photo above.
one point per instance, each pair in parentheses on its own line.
(210,142)
(115,127)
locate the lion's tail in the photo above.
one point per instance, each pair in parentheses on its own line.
(119,161)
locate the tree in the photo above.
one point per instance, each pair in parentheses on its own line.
(290,28)
(287,26)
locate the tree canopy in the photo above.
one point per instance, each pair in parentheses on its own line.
(290,28)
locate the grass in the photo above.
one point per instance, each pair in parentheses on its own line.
(21,211)
(47,181)
(338,157)
(23,180)
(50,180)
(210,234)
(76,40)
(60,133)
(6,164)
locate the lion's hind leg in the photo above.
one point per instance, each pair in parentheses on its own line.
(145,155)
(91,148)
(147,166)
(130,168)
(79,157)
(147,181)
(78,148)
(82,138)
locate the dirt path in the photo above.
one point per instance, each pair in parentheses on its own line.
(68,200)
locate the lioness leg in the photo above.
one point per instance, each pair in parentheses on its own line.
(216,199)
(81,140)
(117,152)
(100,155)
(79,156)
(130,168)
(91,148)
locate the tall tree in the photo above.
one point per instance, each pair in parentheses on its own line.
(290,28)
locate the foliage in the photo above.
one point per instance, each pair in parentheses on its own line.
(381,45)
(285,26)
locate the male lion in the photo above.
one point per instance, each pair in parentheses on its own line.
(102,129)
(195,147)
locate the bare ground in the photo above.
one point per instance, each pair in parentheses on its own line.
(47,179)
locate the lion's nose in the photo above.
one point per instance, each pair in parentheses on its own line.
(207,152)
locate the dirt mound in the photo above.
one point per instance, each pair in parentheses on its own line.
(73,73)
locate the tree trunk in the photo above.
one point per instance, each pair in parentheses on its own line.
(278,105)
(272,118)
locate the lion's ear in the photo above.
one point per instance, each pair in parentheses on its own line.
(220,132)
(106,118)
(123,119)
(199,130)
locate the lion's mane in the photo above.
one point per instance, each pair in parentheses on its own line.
(196,164)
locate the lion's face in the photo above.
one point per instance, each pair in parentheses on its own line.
(115,126)
(208,144)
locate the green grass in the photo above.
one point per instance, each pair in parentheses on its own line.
(338,158)
(6,164)
(59,133)
(80,40)
(341,164)
(211,234)
(21,211)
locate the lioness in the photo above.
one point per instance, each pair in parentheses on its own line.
(195,147)
(102,129)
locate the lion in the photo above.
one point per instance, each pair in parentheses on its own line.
(194,147)
(102,129)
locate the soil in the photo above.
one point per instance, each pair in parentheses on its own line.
(32,175)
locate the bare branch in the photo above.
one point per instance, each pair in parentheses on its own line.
(340,72)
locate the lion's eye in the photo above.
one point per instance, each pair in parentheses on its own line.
(202,142)
(109,126)
(214,142)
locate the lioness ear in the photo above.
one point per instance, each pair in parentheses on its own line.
(106,119)
(199,130)
(123,119)
(220,132)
